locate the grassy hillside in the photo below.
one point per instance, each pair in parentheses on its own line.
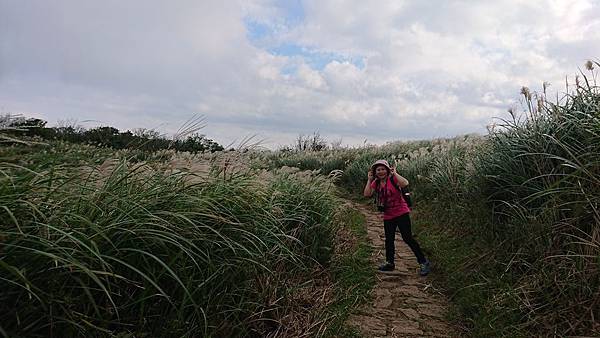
(98,243)
(511,218)
(126,243)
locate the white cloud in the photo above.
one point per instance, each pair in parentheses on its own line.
(311,78)
(426,69)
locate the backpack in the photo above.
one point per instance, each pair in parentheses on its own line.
(404,192)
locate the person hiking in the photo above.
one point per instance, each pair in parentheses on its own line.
(386,183)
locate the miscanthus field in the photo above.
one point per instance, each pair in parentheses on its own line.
(99,241)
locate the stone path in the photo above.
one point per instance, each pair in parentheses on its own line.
(405,304)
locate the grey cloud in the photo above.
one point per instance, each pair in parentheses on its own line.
(137,46)
(431,68)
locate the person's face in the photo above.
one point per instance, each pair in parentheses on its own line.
(380,171)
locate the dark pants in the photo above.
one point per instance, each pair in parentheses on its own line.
(403,223)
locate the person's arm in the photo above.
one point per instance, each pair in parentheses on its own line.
(402,182)
(368,190)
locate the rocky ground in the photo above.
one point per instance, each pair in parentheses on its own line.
(404,303)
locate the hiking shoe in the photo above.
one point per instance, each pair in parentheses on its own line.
(387,267)
(424,268)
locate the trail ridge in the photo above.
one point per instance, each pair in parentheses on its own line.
(404,303)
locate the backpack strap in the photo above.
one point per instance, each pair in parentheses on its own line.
(394,183)
(403,191)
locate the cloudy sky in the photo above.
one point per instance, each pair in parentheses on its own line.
(353,70)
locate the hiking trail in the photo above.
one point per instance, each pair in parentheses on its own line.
(404,303)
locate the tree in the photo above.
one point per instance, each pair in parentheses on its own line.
(314,142)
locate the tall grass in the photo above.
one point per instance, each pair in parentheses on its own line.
(542,177)
(513,217)
(137,248)
(133,249)
(352,162)
(520,208)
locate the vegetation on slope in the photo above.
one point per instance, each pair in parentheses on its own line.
(147,250)
(511,218)
(187,139)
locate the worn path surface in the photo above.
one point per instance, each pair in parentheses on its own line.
(404,303)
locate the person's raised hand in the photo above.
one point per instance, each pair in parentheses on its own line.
(392,170)
(370,175)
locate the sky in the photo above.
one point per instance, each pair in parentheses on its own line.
(356,71)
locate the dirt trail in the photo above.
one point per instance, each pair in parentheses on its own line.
(404,303)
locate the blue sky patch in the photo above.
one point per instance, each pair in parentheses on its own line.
(294,11)
(314,58)
(264,35)
(256,30)
(292,14)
